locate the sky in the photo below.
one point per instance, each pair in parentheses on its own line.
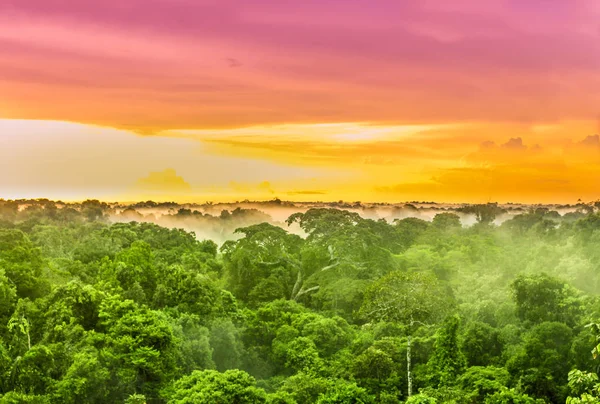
(360,100)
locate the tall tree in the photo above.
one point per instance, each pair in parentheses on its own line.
(447,361)
(413,299)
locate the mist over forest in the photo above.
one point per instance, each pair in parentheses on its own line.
(218,221)
(285,302)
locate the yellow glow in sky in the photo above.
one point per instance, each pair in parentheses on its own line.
(350,161)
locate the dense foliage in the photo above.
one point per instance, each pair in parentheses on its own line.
(351,310)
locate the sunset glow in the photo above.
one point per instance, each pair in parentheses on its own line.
(316,100)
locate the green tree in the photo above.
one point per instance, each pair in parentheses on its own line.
(373,369)
(306,388)
(482,344)
(409,230)
(302,355)
(542,298)
(343,392)
(484,213)
(543,363)
(447,361)
(212,387)
(226,345)
(479,382)
(87,380)
(22,263)
(8,297)
(446,221)
(584,385)
(263,263)
(138,346)
(412,299)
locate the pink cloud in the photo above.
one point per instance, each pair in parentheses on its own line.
(309,61)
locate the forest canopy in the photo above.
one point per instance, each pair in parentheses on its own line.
(329,306)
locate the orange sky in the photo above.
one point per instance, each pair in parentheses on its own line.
(316,100)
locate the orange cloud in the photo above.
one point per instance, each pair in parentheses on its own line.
(166,181)
(350,161)
(512,171)
(264,187)
(307,192)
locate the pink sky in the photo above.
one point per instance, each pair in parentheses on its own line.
(158,64)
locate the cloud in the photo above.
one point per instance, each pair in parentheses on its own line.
(514,144)
(231,62)
(590,141)
(410,61)
(242,188)
(510,152)
(584,151)
(341,144)
(488,144)
(166,181)
(499,183)
(61,160)
(307,192)
(511,171)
